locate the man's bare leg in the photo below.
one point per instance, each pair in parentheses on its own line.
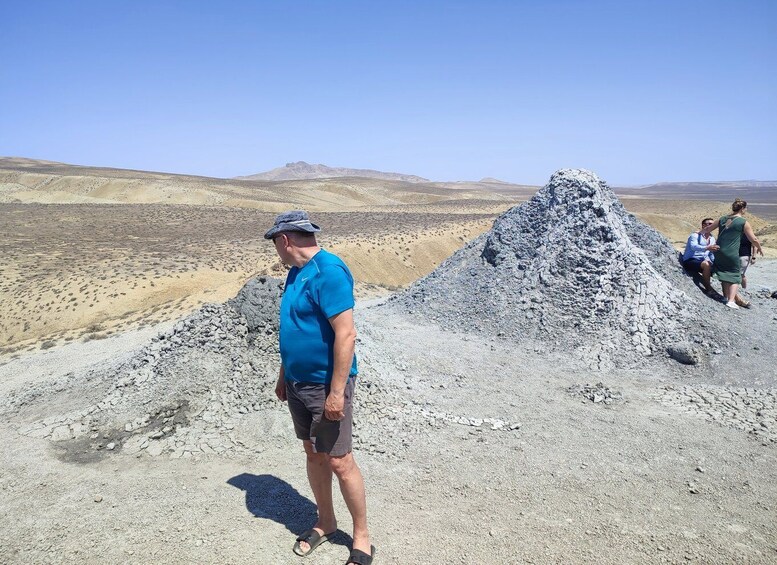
(320,479)
(705,275)
(352,487)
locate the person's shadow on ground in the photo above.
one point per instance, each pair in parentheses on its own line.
(274,499)
(698,283)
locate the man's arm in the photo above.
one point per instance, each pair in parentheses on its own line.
(694,248)
(345,343)
(688,252)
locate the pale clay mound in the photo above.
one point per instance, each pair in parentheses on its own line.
(186,392)
(572,267)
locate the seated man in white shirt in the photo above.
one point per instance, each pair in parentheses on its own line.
(700,254)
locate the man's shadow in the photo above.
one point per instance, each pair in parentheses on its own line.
(274,499)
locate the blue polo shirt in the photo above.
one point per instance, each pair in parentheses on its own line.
(696,248)
(314,293)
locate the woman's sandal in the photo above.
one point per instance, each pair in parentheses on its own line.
(741,302)
(360,558)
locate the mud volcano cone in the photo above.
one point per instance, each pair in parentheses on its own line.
(183,392)
(569,267)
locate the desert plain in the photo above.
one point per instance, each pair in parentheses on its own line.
(485,451)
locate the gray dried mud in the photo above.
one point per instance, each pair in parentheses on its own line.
(508,411)
(573,268)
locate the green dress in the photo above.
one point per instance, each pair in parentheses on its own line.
(726,266)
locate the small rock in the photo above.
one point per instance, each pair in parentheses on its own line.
(684,353)
(98,498)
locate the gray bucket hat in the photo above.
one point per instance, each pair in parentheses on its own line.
(293,220)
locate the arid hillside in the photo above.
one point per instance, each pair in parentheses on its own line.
(761,196)
(87,270)
(31,181)
(678,218)
(86,252)
(564,351)
(303,170)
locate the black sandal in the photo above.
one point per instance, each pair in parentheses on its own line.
(360,558)
(313,539)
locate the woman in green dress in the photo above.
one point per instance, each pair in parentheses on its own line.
(727,267)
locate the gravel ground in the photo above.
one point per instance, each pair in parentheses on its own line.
(564,479)
(477,447)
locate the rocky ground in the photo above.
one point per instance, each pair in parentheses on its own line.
(484,453)
(166,445)
(475,451)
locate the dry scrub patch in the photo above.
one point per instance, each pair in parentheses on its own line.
(85,271)
(675,219)
(28,181)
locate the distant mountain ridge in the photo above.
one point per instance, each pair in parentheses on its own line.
(492,180)
(302,170)
(730,184)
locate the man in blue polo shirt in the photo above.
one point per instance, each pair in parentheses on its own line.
(318,374)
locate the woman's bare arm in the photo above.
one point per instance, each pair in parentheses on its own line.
(751,236)
(706,231)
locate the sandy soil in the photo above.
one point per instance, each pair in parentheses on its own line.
(116,249)
(761,196)
(675,219)
(87,271)
(78,271)
(30,181)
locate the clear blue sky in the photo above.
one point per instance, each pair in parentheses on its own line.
(636,91)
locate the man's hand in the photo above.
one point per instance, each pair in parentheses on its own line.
(280,388)
(333,407)
(345,340)
(760,252)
